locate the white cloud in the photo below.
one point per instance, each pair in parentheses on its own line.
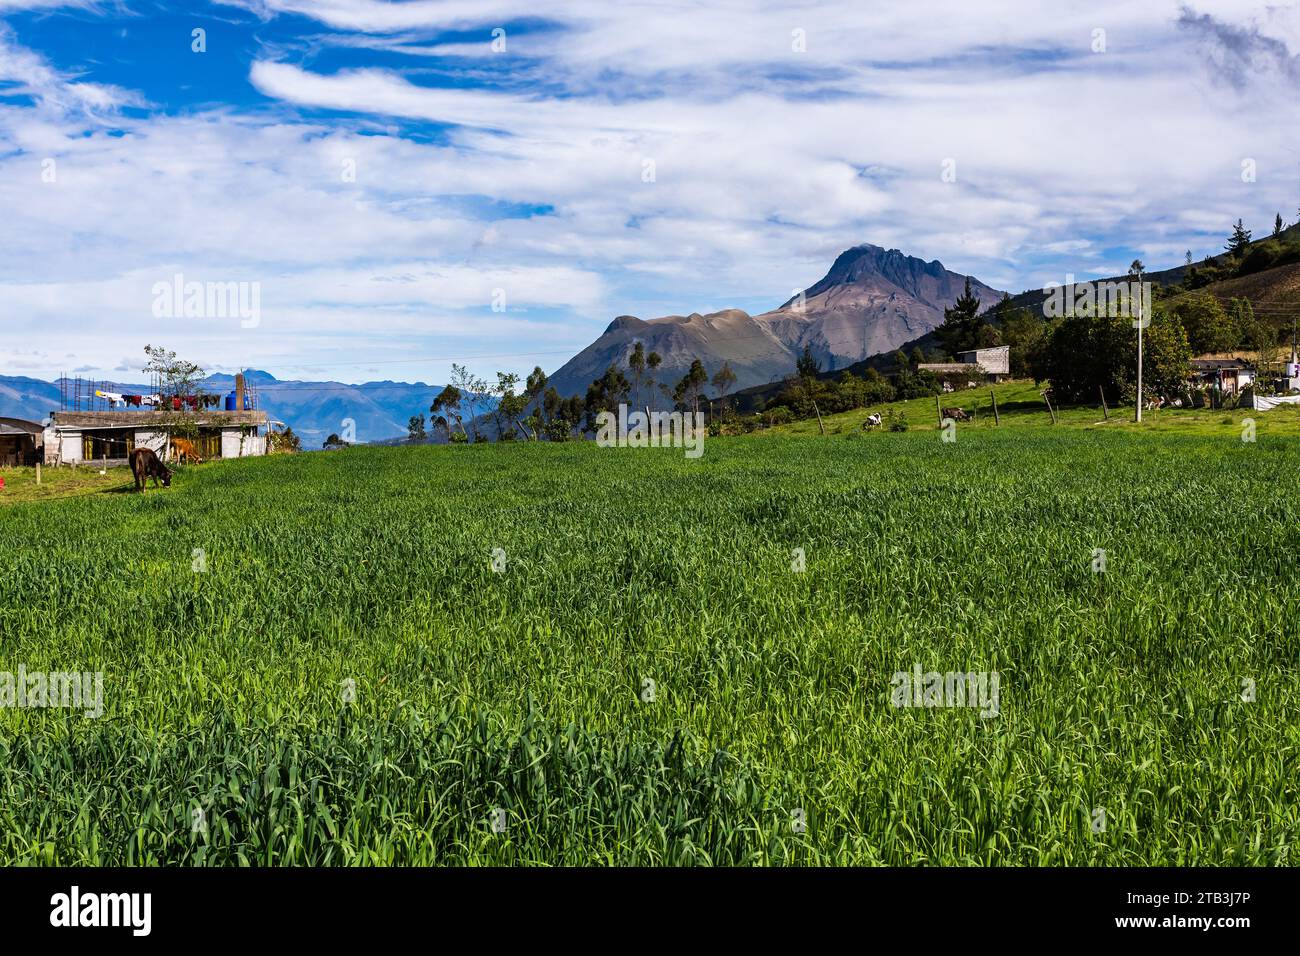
(768,162)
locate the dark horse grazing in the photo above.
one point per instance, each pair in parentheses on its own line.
(145,465)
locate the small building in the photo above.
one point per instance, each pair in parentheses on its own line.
(1229,375)
(993,364)
(996,361)
(21,442)
(72,437)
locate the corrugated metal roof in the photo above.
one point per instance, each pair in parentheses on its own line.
(19,426)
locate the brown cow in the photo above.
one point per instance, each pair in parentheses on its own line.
(956,414)
(145,464)
(186,452)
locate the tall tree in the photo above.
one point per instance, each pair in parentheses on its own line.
(534,389)
(1277,225)
(960,330)
(536,383)
(652,363)
(572,410)
(1024,332)
(636,365)
(1252,332)
(509,406)
(446,408)
(806,365)
(177,379)
(562,415)
(1239,241)
(415,428)
(1084,353)
(176,376)
(1207,326)
(691,386)
(723,380)
(605,394)
(473,391)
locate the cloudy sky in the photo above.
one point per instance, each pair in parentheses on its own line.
(492,181)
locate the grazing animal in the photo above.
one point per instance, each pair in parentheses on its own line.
(145,464)
(873,421)
(185,451)
(956,414)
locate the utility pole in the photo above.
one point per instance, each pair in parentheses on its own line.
(1136,271)
(1139,399)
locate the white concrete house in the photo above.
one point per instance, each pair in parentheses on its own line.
(993,363)
(72,437)
(996,362)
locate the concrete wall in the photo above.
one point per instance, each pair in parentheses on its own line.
(233,447)
(995,361)
(51,446)
(70,446)
(65,444)
(151,439)
(230,443)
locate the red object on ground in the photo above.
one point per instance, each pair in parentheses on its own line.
(2,482)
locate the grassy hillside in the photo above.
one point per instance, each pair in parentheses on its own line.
(20,483)
(525,690)
(1021,405)
(1274,293)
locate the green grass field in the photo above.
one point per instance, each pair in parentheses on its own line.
(227,738)
(61,482)
(1021,405)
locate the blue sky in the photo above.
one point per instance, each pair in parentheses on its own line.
(403,192)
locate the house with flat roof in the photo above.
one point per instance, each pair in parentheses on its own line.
(72,437)
(103,424)
(993,364)
(21,442)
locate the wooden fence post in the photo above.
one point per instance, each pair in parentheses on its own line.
(38,471)
(997,419)
(938,411)
(1105,412)
(819,419)
(1049,407)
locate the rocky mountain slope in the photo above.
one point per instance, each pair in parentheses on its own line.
(872,300)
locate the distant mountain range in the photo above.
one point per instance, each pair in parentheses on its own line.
(313,409)
(871,301)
